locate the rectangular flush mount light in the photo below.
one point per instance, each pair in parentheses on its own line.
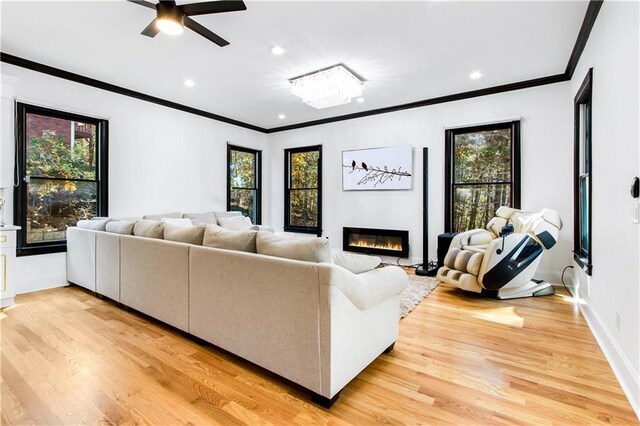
(328,87)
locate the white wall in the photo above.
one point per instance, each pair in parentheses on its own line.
(546,165)
(160,159)
(613,52)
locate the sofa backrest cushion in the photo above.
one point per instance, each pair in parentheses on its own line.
(308,249)
(149,229)
(218,237)
(95,225)
(226,215)
(235,223)
(207,218)
(356,263)
(175,215)
(177,221)
(124,227)
(184,234)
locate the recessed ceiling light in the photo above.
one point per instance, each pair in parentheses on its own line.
(282,116)
(475,75)
(277,50)
(360,100)
(189,83)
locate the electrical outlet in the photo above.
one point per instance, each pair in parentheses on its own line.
(618,320)
(635,214)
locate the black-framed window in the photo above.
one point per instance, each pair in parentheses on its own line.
(303,190)
(482,173)
(61,175)
(244,182)
(582,247)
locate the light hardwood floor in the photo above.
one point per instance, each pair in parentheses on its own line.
(69,357)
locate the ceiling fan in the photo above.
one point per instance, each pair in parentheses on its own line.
(171,18)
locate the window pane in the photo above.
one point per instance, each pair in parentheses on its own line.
(244,200)
(304,169)
(243,169)
(60,148)
(54,205)
(473,206)
(304,208)
(483,156)
(584,215)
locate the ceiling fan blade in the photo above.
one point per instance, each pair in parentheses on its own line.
(208,7)
(151,30)
(210,35)
(143,3)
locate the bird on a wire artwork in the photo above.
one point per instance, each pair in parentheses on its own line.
(381,169)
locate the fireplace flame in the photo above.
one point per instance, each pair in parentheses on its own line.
(389,245)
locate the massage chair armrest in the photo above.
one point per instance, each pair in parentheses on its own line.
(473,237)
(496,251)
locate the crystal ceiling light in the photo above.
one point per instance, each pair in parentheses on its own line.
(328,87)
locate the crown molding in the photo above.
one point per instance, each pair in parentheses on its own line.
(583,36)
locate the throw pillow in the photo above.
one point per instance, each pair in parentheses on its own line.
(308,249)
(149,229)
(95,225)
(218,237)
(183,234)
(356,263)
(176,221)
(208,218)
(235,223)
(120,227)
(176,215)
(226,214)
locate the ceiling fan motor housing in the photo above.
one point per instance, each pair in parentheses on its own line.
(169,11)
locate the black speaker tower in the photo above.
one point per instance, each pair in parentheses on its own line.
(425,268)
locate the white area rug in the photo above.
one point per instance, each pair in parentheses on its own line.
(418,288)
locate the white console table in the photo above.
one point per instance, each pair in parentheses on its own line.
(7,264)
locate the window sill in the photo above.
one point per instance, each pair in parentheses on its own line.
(37,250)
(583,262)
(316,231)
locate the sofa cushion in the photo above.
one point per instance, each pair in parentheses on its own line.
(207,218)
(96,225)
(226,214)
(235,223)
(149,229)
(176,215)
(177,221)
(308,249)
(124,227)
(218,237)
(356,263)
(184,234)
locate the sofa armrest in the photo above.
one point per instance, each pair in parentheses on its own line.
(370,288)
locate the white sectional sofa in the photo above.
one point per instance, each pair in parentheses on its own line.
(316,324)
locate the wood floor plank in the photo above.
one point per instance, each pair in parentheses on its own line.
(69,357)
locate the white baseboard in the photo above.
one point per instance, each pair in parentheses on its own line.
(40,283)
(628,378)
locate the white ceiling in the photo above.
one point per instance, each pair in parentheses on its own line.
(406,51)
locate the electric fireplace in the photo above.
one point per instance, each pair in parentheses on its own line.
(386,242)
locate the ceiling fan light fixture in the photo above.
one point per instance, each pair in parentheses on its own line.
(170,19)
(169,26)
